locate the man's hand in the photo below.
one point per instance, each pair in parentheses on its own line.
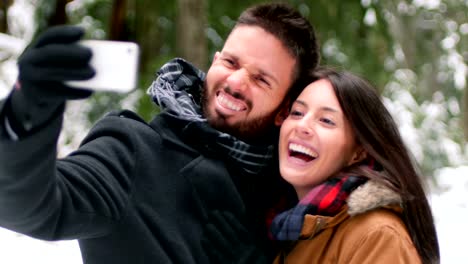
(52,59)
(227,240)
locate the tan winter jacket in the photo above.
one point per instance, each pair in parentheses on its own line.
(367,230)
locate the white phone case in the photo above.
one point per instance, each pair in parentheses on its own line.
(116,66)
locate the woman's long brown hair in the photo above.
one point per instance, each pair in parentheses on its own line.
(378,133)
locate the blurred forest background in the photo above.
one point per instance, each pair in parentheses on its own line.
(414,51)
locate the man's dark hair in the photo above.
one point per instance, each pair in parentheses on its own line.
(293,30)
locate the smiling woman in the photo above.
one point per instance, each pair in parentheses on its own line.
(316,139)
(361,199)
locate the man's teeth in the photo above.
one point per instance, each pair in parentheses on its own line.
(303,150)
(228,103)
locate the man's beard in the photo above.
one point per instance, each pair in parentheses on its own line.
(259,130)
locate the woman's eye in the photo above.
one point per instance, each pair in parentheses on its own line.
(327,121)
(295,113)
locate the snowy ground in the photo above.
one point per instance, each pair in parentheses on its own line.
(19,249)
(450,207)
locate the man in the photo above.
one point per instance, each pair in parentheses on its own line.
(137,192)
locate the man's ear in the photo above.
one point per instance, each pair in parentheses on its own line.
(359,155)
(282,113)
(216,56)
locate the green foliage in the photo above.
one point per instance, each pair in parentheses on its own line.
(44,9)
(399,45)
(94,16)
(346,40)
(222,16)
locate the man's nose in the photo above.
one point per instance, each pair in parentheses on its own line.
(238,80)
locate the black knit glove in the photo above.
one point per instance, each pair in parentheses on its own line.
(227,240)
(43,67)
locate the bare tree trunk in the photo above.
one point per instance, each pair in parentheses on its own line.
(4,4)
(420,57)
(58,17)
(464,116)
(118,27)
(146,31)
(191,41)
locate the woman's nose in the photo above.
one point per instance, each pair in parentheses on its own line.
(304,127)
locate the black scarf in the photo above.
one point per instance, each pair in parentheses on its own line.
(177,91)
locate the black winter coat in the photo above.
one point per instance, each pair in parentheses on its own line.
(132,193)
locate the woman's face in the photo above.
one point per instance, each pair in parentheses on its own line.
(316,140)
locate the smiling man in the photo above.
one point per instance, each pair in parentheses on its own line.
(244,88)
(138,192)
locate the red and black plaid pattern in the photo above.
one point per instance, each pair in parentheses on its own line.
(325,199)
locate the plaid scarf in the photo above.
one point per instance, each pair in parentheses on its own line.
(325,199)
(177,91)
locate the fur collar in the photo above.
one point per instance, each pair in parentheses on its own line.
(371,195)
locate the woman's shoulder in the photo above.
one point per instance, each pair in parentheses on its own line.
(379,236)
(383,219)
(374,209)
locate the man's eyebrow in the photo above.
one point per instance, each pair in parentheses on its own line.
(228,54)
(260,71)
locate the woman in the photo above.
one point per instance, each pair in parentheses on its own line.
(360,196)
